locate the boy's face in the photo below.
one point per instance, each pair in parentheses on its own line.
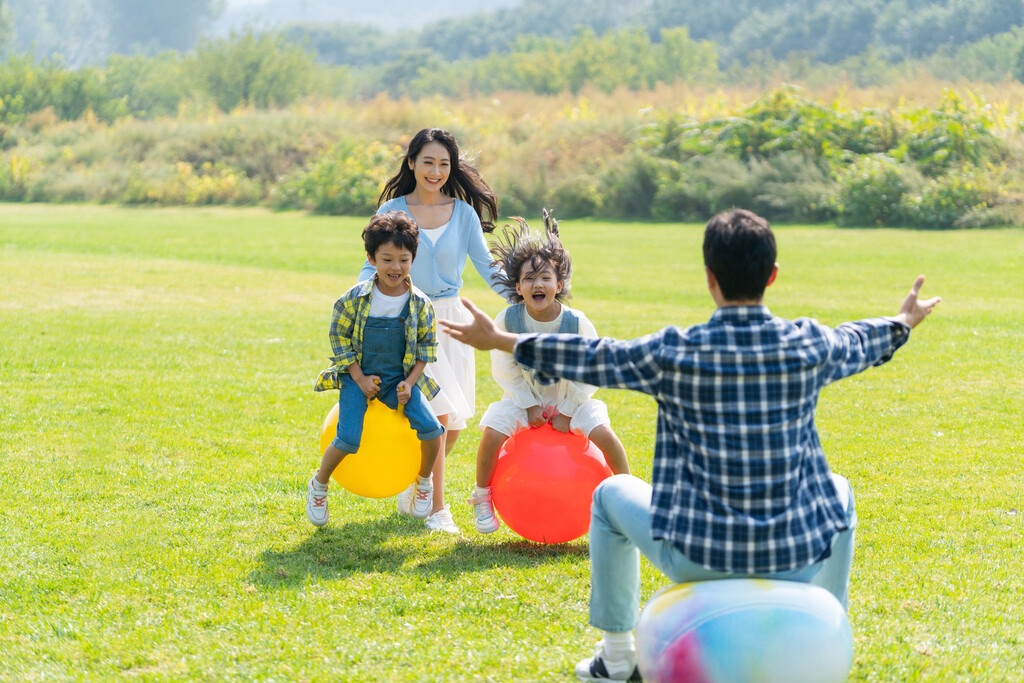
(392,263)
(539,287)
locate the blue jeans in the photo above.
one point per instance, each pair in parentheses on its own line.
(382,352)
(620,530)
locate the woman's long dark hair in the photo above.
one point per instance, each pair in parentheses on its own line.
(464,182)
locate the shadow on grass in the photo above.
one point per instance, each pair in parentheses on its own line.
(336,552)
(470,556)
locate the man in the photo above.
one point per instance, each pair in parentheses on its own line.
(741,487)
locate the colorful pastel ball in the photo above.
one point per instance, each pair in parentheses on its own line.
(744,631)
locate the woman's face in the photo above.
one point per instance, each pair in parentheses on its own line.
(431,167)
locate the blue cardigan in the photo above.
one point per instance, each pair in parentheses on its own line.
(437,268)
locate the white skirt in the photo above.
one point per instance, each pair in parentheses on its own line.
(455,369)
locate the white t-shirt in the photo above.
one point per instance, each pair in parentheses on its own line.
(384,306)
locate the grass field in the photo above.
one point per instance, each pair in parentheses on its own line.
(157,428)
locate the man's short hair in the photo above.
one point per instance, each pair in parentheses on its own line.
(391,227)
(739,249)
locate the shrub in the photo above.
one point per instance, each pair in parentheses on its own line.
(943,202)
(347,179)
(871,190)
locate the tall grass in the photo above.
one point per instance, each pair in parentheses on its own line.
(157,428)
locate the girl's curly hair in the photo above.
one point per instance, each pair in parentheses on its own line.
(517,246)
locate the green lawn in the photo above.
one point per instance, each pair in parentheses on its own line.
(157,428)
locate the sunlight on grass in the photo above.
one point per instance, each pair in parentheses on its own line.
(157,427)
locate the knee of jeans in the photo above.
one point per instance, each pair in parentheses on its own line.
(606,488)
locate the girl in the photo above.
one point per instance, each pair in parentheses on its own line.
(453,208)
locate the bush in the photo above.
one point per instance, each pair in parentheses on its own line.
(943,202)
(347,179)
(871,191)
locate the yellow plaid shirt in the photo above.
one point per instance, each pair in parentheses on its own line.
(346,335)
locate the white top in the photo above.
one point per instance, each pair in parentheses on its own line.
(435,233)
(384,306)
(518,381)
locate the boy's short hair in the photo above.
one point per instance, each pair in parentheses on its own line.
(391,227)
(739,249)
(518,246)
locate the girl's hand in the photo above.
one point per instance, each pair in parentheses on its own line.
(370,385)
(561,423)
(404,392)
(536,416)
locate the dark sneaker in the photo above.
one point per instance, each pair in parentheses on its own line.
(600,668)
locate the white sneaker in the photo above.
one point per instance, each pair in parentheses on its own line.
(442,521)
(422,499)
(600,668)
(486,522)
(404,500)
(316,502)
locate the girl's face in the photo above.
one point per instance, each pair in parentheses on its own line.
(431,167)
(539,288)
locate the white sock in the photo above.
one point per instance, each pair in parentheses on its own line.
(619,645)
(423,481)
(317,486)
(480,491)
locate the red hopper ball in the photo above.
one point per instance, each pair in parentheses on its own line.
(543,483)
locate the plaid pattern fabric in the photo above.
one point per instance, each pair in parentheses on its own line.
(740,481)
(346,334)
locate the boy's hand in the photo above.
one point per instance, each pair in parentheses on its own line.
(561,423)
(481,333)
(914,311)
(404,392)
(536,416)
(370,385)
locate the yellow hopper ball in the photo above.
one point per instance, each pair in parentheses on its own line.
(388,458)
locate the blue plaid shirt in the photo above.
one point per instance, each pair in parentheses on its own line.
(740,481)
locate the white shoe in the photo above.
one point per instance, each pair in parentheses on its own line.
(422,499)
(404,500)
(442,521)
(486,522)
(600,668)
(316,503)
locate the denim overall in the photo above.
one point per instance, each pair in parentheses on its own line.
(383,350)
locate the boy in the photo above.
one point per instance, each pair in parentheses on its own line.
(536,272)
(741,485)
(383,334)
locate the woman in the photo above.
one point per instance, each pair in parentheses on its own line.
(453,208)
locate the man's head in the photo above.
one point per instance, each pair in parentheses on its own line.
(739,250)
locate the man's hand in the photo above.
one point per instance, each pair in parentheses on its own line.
(481,333)
(913,310)
(536,416)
